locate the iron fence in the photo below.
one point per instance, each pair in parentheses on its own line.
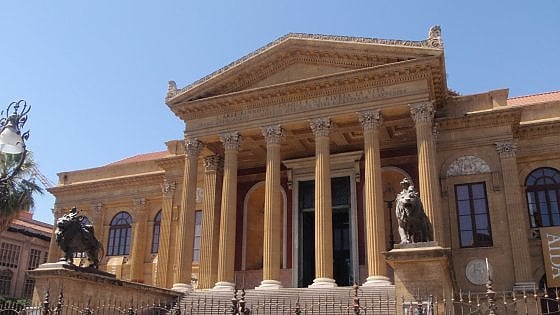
(539,302)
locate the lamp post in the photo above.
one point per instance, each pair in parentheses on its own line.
(12,141)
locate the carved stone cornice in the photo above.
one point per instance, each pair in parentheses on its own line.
(168,187)
(231,140)
(506,149)
(321,127)
(273,134)
(539,129)
(334,84)
(509,116)
(193,147)
(370,119)
(213,163)
(422,113)
(432,42)
(95,186)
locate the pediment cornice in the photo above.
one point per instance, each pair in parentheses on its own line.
(427,68)
(509,116)
(345,51)
(108,184)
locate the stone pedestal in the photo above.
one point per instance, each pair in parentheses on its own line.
(421,269)
(82,286)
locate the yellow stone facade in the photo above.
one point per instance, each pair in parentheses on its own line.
(294,154)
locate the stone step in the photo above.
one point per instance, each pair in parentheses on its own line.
(340,300)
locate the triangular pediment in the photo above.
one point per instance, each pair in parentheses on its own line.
(296,57)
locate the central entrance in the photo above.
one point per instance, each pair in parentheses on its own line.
(342,255)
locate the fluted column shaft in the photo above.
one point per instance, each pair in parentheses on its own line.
(423,116)
(374,207)
(138,241)
(272,246)
(168,189)
(185,233)
(516,215)
(209,241)
(321,128)
(226,256)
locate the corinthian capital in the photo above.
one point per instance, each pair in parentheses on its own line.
(273,134)
(370,119)
(231,140)
(422,112)
(193,147)
(168,187)
(506,149)
(213,163)
(321,127)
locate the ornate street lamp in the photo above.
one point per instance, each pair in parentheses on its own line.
(12,141)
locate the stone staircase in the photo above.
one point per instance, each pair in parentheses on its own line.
(340,300)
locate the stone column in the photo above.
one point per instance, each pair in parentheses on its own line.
(185,230)
(54,251)
(423,116)
(138,241)
(374,206)
(272,242)
(168,190)
(516,215)
(213,171)
(226,256)
(321,128)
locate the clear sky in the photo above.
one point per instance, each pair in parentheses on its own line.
(96,72)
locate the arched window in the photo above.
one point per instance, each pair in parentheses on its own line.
(155,238)
(119,235)
(543,192)
(5,281)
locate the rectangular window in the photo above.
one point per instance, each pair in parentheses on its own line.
(197,235)
(34,259)
(9,255)
(28,286)
(472,214)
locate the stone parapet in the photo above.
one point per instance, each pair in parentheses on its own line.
(82,286)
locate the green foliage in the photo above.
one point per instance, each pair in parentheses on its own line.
(16,192)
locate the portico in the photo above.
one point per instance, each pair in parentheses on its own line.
(312,109)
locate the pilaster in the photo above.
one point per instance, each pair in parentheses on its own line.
(321,128)
(168,190)
(138,241)
(516,215)
(54,251)
(374,206)
(226,256)
(423,116)
(213,170)
(272,243)
(185,233)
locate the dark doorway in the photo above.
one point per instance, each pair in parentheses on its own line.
(342,262)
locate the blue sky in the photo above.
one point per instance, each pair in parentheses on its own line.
(96,72)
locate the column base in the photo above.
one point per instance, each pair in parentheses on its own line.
(224,286)
(377,281)
(320,283)
(182,287)
(269,285)
(527,286)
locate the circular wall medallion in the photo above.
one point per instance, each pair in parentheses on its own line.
(476,271)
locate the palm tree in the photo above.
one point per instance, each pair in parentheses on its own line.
(16,190)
